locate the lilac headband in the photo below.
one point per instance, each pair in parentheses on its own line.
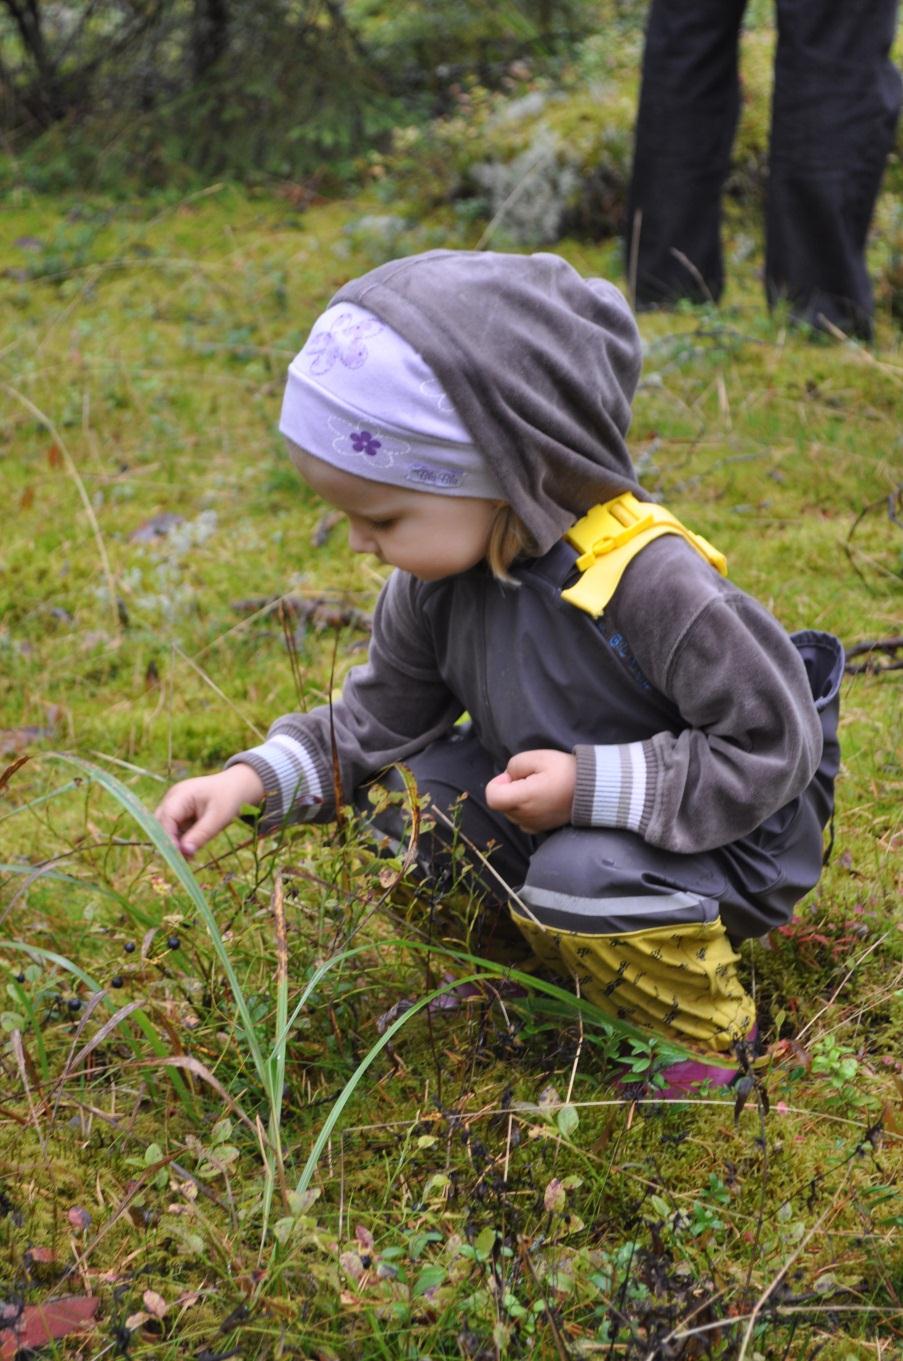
(361,398)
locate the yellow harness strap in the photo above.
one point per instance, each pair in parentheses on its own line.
(608,538)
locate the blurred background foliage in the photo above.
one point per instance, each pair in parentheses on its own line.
(515,119)
(102,91)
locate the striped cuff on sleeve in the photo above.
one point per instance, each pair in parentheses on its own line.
(614,786)
(291,779)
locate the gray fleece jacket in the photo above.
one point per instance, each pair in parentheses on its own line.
(687,704)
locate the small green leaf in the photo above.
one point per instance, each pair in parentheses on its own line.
(225,1155)
(567,1119)
(429,1278)
(152,1154)
(300,1201)
(282,1229)
(484,1243)
(420,1241)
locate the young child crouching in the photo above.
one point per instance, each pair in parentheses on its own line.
(651,753)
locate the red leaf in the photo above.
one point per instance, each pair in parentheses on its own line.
(54,457)
(42,1323)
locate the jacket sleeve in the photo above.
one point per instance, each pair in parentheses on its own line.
(752,739)
(392,706)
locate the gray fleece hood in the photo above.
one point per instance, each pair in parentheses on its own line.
(540,363)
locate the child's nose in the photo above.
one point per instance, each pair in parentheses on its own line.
(359,538)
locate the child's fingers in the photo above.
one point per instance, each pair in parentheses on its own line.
(202,831)
(502,793)
(170,821)
(188,819)
(523,764)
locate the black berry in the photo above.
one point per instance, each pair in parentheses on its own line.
(74,1004)
(20,978)
(173,942)
(129,947)
(116,981)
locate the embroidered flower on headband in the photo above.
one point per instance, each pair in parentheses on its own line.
(364,443)
(370,446)
(344,342)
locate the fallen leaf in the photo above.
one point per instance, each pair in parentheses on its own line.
(10,771)
(79,1218)
(43,1256)
(39,1324)
(154,1304)
(26,500)
(554,1197)
(54,457)
(352,1264)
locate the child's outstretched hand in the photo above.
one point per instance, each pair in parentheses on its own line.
(536,790)
(193,811)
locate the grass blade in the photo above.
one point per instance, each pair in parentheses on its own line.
(375,1050)
(180,869)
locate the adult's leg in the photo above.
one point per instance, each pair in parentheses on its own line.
(689,102)
(834,112)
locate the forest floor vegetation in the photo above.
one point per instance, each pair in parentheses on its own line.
(287,1102)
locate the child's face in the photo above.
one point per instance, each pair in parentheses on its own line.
(428,535)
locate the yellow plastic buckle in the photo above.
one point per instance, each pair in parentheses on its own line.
(608,538)
(631,526)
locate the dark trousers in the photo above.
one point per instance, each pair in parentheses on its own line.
(604,880)
(834,113)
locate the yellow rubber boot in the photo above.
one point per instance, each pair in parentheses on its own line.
(678,982)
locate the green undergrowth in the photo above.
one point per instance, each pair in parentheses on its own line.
(207,1119)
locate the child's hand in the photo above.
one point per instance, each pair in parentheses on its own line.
(193,811)
(536,790)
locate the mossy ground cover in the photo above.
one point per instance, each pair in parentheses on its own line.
(470,1184)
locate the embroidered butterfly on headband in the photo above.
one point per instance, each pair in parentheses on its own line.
(366,444)
(344,341)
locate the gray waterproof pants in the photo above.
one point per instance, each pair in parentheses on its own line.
(605,880)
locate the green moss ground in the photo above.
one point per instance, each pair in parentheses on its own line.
(463,1207)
